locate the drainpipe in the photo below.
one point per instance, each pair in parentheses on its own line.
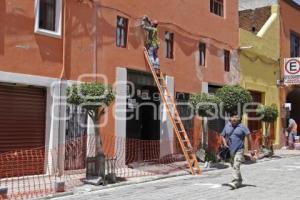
(60,154)
(95,62)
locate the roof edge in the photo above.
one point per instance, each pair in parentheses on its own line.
(293,4)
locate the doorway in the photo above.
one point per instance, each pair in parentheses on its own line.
(143,123)
(255,125)
(294,99)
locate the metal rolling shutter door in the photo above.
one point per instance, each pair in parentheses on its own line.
(22,127)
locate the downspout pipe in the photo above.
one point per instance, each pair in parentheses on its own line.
(95,62)
(60,158)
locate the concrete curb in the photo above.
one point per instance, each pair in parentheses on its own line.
(126,183)
(99,188)
(78,191)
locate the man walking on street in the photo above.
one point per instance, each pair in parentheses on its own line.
(233,137)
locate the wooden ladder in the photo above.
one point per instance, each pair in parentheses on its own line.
(172,111)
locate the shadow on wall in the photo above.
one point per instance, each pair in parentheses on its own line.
(82,25)
(2,29)
(80,34)
(136,36)
(19,26)
(49,48)
(188,42)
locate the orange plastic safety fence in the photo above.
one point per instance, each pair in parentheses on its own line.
(31,173)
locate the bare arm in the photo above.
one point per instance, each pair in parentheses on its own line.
(224,141)
(148,28)
(146,24)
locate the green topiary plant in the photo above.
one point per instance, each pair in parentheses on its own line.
(233,96)
(269,115)
(94,97)
(204,105)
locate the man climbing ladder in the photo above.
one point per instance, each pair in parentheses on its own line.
(173,114)
(152,43)
(151,55)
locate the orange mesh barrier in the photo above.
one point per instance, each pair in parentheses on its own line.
(214,141)
(257,140)
(31,173)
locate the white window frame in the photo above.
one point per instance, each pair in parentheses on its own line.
(58,21)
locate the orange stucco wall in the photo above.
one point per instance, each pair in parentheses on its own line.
(23,51)
(289,22)
(190,22)
(290,16)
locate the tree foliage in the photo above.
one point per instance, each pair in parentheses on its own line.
(94,97)
(204,104)
(269,114)
(90,96)
(233,96)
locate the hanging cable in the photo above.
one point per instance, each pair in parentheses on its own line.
(194,35)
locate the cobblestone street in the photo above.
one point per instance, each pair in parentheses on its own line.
(276,179)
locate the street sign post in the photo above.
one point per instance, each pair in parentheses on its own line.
(292,71)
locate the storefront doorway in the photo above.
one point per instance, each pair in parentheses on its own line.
(293,98)
(143,123)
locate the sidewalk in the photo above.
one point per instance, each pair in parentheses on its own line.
(279,154)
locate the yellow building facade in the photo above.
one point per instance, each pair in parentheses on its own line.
(259,59)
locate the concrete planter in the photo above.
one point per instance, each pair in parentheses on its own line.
(3,193)
(94,163)
(106,173)
(59,186)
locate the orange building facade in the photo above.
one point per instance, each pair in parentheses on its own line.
(290,48)
(45,42)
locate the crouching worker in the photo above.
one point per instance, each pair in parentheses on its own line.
(152,43)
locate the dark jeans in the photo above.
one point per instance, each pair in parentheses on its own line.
(292,136)
(153,54)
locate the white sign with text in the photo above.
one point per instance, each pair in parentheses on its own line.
(292,71)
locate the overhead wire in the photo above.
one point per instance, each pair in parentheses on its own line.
(195,35)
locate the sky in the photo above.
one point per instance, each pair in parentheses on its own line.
(297,1)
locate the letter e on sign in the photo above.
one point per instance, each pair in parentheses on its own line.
(292,66)
(292,71)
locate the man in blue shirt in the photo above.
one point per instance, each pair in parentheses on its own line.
(234,134)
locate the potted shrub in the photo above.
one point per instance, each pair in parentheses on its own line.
(94,97)
(204,105)
(233,98)
(269,115)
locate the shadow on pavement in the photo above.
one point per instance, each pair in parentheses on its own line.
(242,186)
(219,165)
(249,162)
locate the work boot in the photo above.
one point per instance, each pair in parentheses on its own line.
(157,71)
(233,185)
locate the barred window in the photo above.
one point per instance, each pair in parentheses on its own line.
(47,13)
(202,53)
(122,28)
(295,45)
(227,60)
(217,7)
(169,42)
